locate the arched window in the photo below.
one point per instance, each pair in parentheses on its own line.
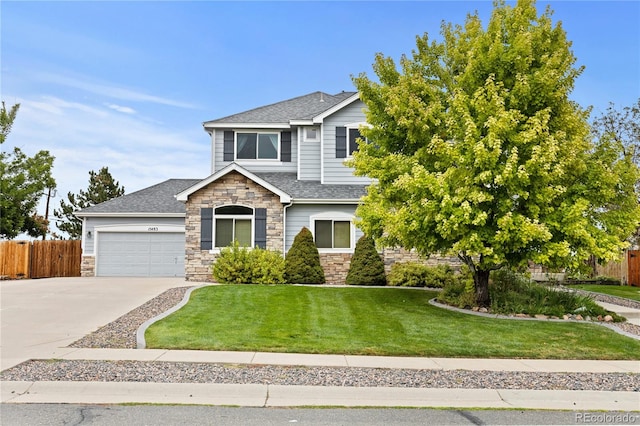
(233,223)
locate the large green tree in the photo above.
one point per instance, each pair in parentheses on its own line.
(622,128)
(476,150)
(102,187)
(23,181)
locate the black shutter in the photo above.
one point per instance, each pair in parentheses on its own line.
(341,142)
(261,228)
(285,147)
(206,229)
(228,145)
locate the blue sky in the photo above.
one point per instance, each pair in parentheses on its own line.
(128,84)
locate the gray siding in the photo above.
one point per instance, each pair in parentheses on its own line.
(309,160)
(92,222)
(334,170)
(298,216)
(256,165)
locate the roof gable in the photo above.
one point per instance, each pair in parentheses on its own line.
(233,167)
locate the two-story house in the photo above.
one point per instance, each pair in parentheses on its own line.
(275,169)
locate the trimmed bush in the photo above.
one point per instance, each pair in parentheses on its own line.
(366,268)
(414,274)
(302,263)
(241,265)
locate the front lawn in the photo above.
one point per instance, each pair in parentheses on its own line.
(627,291)
(369,321)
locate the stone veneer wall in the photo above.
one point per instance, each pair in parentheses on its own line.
(88,266)
(393,255)
(230,189)
(336,265)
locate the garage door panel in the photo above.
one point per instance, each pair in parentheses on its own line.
(140,254)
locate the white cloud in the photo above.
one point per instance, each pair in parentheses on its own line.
(123,109)
(109,90)
(84,137)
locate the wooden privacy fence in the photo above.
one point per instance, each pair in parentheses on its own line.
(627,270)
(40,259)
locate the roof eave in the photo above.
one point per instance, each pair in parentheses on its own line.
(127,214)
(326,201)
(209,125)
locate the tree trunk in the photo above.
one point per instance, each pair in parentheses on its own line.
(481,281)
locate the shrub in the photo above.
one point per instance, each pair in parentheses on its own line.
(414,274)
(241,265)
(302,263)
(459,291)
(512,293)
(366,268)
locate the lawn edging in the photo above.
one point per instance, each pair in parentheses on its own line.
(141,343)
(610,326)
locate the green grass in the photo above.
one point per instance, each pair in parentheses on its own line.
(627,291)
(369,321)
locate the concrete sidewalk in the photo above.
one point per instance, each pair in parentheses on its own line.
(263,395)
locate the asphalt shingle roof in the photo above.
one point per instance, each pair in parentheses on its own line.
(312,190)
(301,108)
(158,198)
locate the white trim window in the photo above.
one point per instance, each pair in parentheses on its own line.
(333,232)
(257,145)
(233,223)
(312,134)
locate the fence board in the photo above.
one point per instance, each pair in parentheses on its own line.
(56,259)
(40,259)
(634,267)
(14,259)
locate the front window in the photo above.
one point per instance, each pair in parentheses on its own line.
(233,223)
(257,146)
(333,234)
(354,135)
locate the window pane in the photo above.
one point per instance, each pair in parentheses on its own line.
(224,232)
(323,234)
(243,232)
(268,146)
(235,210)
(341,234)
(247,146)
(354,134)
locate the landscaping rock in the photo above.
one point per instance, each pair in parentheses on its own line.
(608,318)
(541,316)
(579,317)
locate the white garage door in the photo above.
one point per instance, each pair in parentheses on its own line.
(140,254)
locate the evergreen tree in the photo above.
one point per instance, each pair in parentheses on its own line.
(102,187)
(302,263)
(366,268)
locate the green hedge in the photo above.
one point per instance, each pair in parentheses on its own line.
(414,274)
(241,265)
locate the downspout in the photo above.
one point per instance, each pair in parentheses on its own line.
(284,228)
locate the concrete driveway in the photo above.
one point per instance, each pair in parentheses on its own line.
(39,318)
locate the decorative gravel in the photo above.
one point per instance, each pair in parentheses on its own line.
(182,372)
(121,333)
